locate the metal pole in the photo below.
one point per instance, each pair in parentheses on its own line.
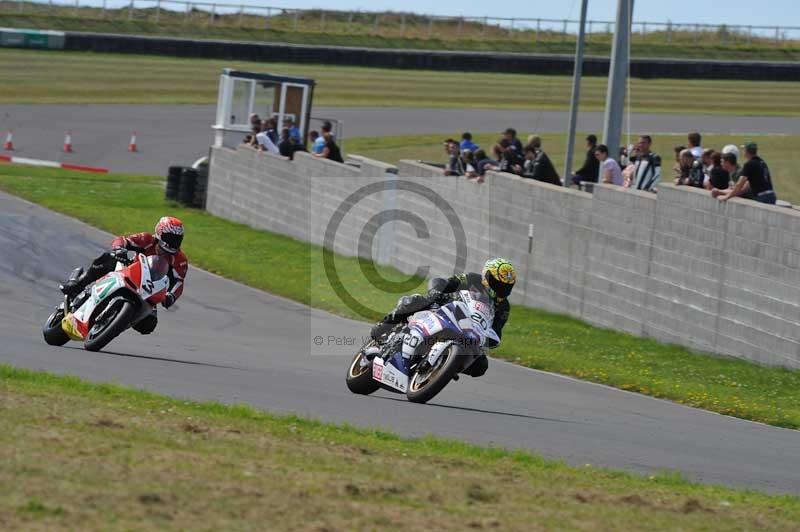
(377,21)
(402,24)
(576,95)
(158,10)
(460,26)
(296,16)
(617,78)
(669,31)
(538,28)
(211,15)
(130,11)
(350,22)
(485,27)
(241,15)
(188,11)
(322,22)
(267,20)
(777,35)
(430,27)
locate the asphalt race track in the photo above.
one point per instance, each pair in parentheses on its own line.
(228,342)
(180,134)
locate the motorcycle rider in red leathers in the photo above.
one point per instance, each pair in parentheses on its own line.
(166,240)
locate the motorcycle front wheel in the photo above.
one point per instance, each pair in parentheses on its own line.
(425,384)
(359,374)
(110,324)
(52,331)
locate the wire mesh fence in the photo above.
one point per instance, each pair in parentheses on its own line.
(393,24)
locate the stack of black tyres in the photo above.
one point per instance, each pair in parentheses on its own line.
(187,186)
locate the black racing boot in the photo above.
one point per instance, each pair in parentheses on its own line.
(384,326)
(79,280)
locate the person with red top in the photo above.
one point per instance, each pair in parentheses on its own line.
(166,240)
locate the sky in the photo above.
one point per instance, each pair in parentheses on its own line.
(742,12)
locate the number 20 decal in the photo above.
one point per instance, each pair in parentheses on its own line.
(479,319)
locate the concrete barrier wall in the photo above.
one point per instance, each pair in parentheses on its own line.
(680,267)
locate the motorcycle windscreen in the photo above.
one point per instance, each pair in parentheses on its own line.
(483,303)
(159,267)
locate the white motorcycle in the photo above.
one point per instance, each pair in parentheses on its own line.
(441,343)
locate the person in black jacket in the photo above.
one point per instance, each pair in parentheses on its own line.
(538,165)
(497,280)
(591,167)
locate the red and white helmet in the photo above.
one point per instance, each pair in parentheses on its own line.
(169,234)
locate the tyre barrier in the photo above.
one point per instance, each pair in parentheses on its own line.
(187,186)
(173,182)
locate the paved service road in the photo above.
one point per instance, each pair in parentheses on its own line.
(179,134)
(228,342)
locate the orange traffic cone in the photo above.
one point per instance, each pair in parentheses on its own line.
(132,144)
(8,145)
(68,142)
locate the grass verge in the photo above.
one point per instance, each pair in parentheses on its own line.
(532,338)
(779,151)
(411,32)
(75,455)
(36,76)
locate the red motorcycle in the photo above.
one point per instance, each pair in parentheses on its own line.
(114,303)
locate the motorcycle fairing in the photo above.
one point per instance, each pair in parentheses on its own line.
(388,375)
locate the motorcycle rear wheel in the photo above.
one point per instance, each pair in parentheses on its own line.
(422,390)
(359,375)
(52,331)
(113,325)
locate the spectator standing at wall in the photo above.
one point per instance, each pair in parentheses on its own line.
(730,165)
(483,164)
(695,140)
(270,128)
(294,131)
(511,135)
(755,181)
(609,171)
(470,169)
(285,144)
(330,150)
(690,170)
(591,166)
(537,164)
(511,160)
(647,168)
(467,144)
(453,166)
(317,142)
(265,143)
(718,177)
(677,166)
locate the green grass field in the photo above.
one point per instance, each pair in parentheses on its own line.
(532,337)
(779,151)
(393,30)
(80,456)
(32,76)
